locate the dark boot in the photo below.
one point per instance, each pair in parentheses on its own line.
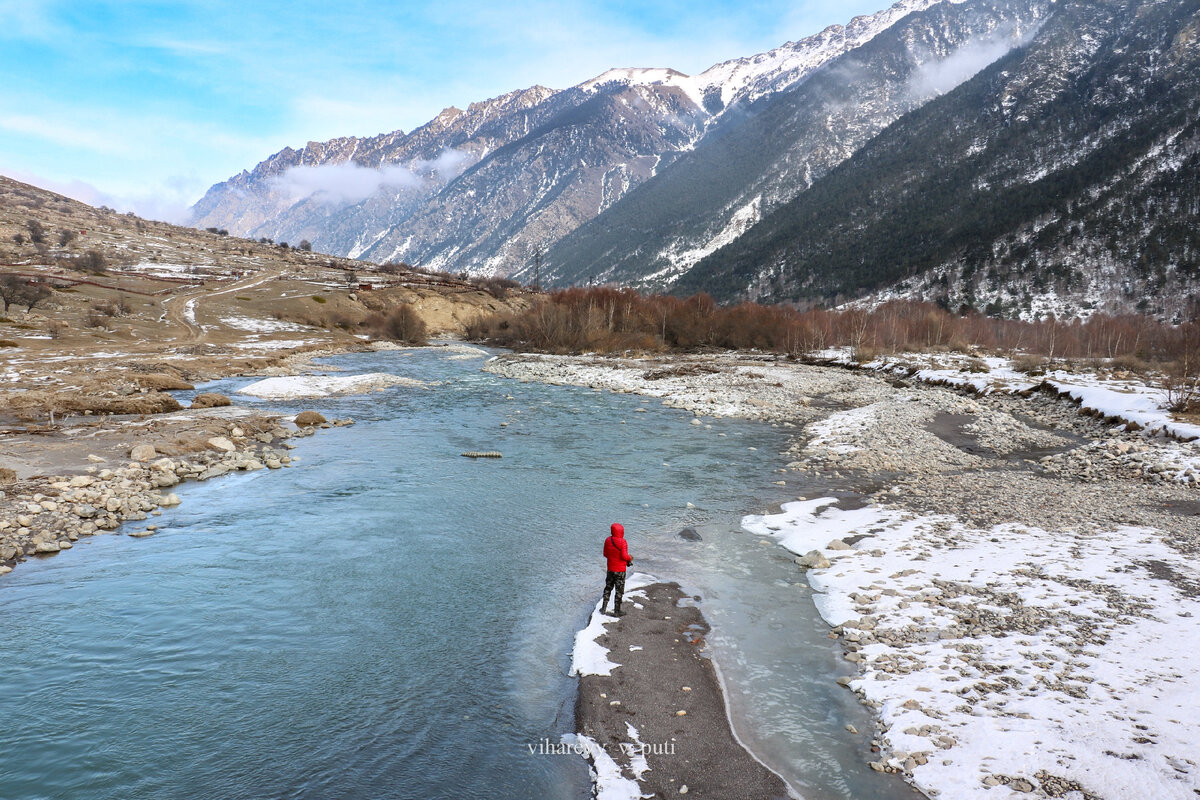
(604,604)
(617,612)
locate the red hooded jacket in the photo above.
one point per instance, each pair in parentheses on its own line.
(616,550)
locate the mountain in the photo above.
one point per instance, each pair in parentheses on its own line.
(778,144)
(1064,177)
(479,190)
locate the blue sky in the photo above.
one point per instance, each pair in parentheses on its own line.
(142,104)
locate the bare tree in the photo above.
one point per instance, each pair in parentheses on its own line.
(35,293)
(11,290)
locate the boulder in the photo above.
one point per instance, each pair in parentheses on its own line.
(47,547)
(222,444)
(210,400)
(813,559)
(159,381)
(307,419)
(143,452)
(837,544)
(171,499)
(689,534)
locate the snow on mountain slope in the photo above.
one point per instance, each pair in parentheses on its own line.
(477,190)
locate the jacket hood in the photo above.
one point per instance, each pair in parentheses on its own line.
(618,530)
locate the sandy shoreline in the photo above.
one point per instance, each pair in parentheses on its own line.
(1016,588)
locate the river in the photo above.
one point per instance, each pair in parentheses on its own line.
(388,619)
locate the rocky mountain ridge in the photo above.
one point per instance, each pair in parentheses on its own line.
(480,190)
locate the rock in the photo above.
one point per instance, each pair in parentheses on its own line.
(813,560)
(24,521)
(211,400)
(79,481)
(991,780)
(143,452)
(852,729)
(4,570)
(141,534)
(837,544)
(273,463)
(7,553)
(85,510)
(222,444)
(307,419)
(171,500)
(681,713)
(1022,785)
(696,421)
(213,472)
(47,547)
(689,534)
(95,459)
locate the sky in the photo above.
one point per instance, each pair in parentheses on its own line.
(141,105)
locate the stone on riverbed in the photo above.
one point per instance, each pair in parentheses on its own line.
(221,443)
(211,400)
(143,452)
(307,419)
(814,559)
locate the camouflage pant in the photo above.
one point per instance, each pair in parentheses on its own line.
(614,579)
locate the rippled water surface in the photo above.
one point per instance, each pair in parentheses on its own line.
(388,619)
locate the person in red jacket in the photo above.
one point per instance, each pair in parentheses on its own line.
(616,551)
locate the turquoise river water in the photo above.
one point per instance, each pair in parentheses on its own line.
(388,619)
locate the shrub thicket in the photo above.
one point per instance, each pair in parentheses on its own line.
(611,320)
(401,324)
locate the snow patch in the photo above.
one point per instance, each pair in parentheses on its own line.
(299,386)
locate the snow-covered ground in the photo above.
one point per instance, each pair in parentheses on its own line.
(1131,399)
(259,325)
(301,386)
(1008,658)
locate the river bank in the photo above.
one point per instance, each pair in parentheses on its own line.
(1014,586)
(651,705)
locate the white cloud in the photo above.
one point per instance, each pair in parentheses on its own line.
(170,201)
(937,77)
(340,184)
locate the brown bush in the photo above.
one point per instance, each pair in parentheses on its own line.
(401,324)
(610,320)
